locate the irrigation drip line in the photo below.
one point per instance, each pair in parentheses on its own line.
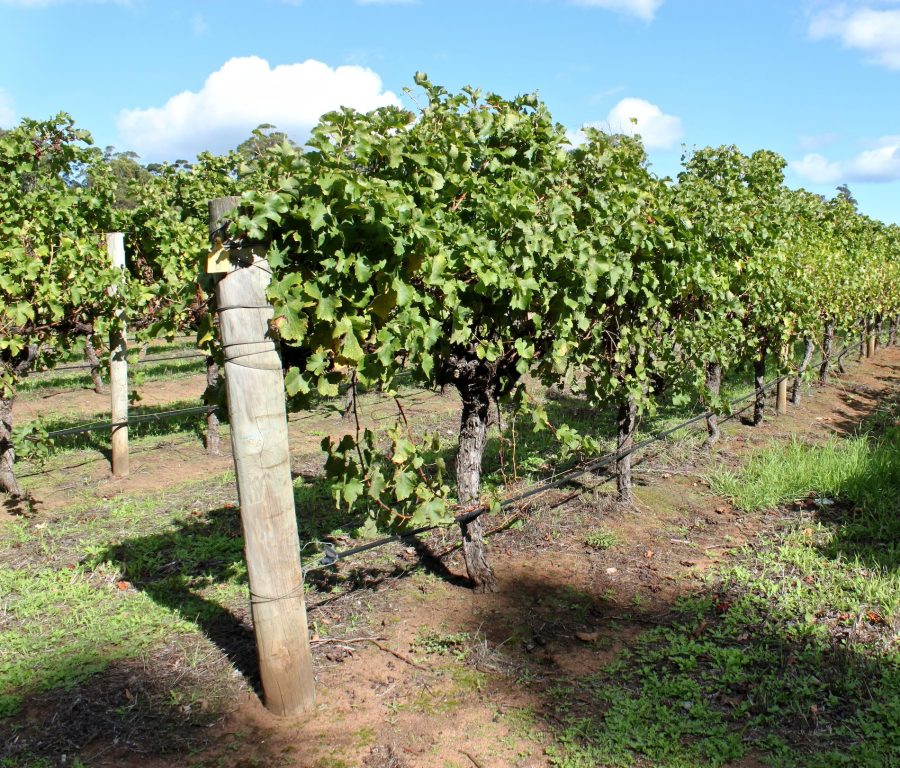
(567,476)
(139,419)
(331,555)
(564,476)
(145,361)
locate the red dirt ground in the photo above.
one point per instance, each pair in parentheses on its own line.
(378,710)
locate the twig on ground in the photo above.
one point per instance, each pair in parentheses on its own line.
(474,761)
(376,643)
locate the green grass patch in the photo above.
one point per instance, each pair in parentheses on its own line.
(859,470)
(853,483)
(60,627)
(791,652)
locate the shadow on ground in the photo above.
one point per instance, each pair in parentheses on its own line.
(127,713)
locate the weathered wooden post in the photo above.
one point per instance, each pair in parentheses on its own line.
(254,387)
(118,367)
(781,396)
(872,340)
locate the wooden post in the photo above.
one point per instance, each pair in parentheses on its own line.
(254,387)
(871,342)
(118,367)
(781,398)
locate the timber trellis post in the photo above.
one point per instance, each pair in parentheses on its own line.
(118,367)
(254,387)
(781,396)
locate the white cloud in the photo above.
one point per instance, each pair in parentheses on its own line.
(644,9)
(817,169)
(881,163)
(637,116)
(7,110)
(875,32)
(244,93)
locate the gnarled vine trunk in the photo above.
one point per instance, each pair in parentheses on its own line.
(17,365)
(713,384)
(804,364)
(827,344)
(350,403)
(759,380)
(840,361)
(213,435)
(472,436)
(626,423)
(8,480)
(892,336)
(864,326)
(91,354)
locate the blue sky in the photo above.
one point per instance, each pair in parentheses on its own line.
(815,80)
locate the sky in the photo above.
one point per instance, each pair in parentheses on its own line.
(817,81)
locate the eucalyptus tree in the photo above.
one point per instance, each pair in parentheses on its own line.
(54,268)
(439,243)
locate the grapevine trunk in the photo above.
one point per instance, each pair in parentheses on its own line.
(713,384)
(472,434)
(91,354)
(627,422)
(827,343)
(759,381)
(8,480)
(798,379)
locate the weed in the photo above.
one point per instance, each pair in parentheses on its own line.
(455,644)
(602,538)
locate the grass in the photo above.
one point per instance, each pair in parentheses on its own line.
(790,652)
(855,483)
(68,606)
(147,370)
(60,627)
(854,470)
